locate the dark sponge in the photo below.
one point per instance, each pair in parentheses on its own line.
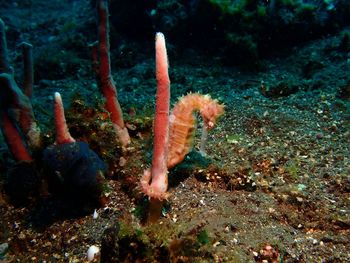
(73,169)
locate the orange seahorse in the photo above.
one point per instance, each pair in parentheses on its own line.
(183,122)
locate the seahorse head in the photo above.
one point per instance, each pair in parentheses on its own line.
(210,112)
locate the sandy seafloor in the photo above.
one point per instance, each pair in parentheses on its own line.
(277,171)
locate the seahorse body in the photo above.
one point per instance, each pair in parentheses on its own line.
(182,123)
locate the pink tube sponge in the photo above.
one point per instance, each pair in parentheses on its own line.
(155,181)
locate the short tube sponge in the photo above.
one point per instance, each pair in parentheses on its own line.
(154,182)
(62,132)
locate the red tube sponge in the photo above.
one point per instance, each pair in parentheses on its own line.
(106,81)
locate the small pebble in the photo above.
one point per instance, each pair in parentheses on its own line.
(122,161)
(216,244)
(3,248)
(92,252)
(319,135)
(95,215)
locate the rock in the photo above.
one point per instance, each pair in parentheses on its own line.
(23,183)
(3,249)
(281,89)
(109,244)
